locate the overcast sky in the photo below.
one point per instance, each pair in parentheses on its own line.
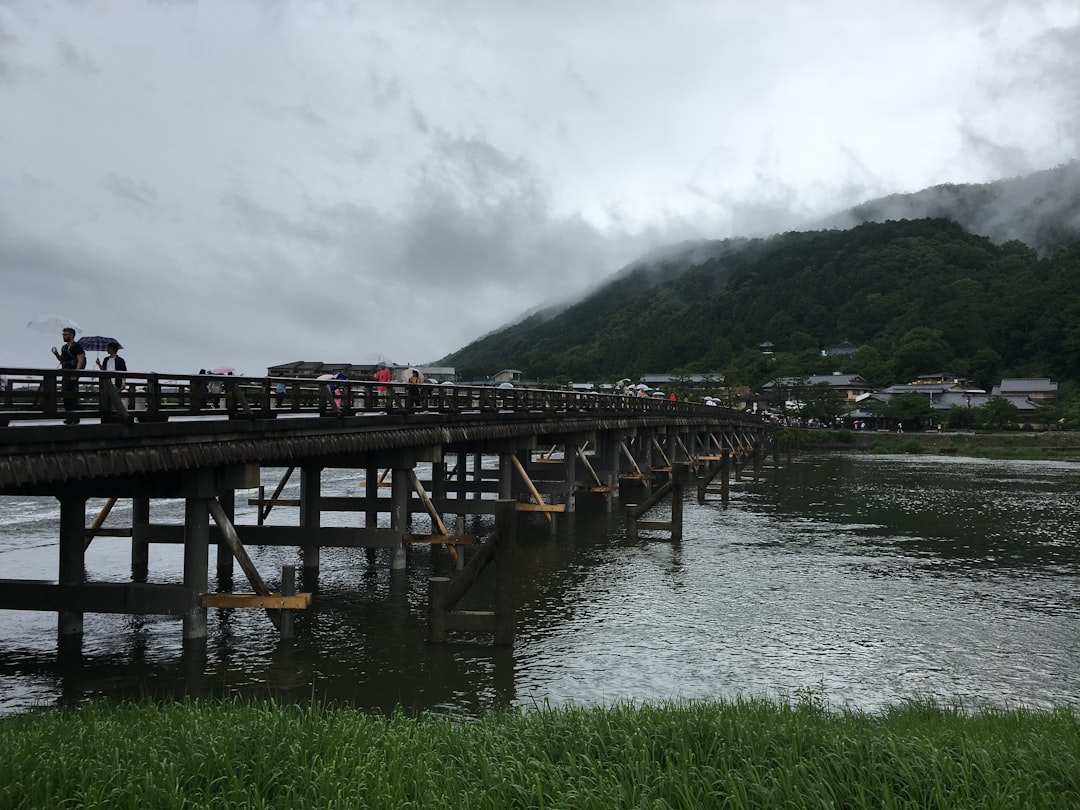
(251,182)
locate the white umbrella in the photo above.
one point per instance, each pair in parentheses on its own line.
(506,385)
(52,323)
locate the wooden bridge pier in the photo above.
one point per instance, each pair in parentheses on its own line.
(673,488)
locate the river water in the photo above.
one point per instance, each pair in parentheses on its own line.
(861,581)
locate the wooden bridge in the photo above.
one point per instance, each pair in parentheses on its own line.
(164,436)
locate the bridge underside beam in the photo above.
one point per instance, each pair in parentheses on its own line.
(96,597)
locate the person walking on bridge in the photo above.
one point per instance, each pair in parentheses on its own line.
(416,379)
(72,358)
(114,362)
(383,375)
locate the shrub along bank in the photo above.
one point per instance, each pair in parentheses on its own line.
(740,754)
(1013,444)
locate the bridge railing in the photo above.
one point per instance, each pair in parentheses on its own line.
(36,394)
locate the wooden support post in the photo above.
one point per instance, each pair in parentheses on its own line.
(677,472)
(592,473)
(630,457)
(371,516)
(528,483)
(399,515)
(196,564)
(477,477)
(433,513)
(758,453)
(438,479)
(264,508)
(310,517)
(444,593)
(631,521)
(437,591)
(505,542)
(725,475)
(570,454)
(98,521)
(140,549)
(72,559)
(656,444)
(288,588)
(506,476)
(236,548)
(461,482)
(690,457)
(644,445)
(227,501)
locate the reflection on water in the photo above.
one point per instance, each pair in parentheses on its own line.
(867,580)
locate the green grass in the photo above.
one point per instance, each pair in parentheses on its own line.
(741,754)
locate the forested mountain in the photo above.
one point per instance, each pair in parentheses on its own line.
(1041,209)
(918,296)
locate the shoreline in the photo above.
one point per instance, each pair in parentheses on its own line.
(1056,445)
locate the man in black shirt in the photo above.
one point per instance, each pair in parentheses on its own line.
(71,357)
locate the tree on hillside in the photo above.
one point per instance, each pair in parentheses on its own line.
(822,402)
(870,365)
(920,351)
(912,408)
(997,414)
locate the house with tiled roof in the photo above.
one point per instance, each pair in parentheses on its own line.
(848,386)
(1040,390)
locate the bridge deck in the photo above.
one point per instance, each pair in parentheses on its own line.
(161,424)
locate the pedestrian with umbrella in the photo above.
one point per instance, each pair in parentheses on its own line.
(72,357)
(113,362)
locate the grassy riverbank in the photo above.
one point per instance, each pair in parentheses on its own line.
(744,754)
(1058,444)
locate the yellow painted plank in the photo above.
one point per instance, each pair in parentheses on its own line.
(253,600)
(540,507)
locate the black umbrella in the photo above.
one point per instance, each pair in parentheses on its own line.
(97,343)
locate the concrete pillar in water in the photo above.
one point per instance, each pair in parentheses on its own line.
(72,558)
